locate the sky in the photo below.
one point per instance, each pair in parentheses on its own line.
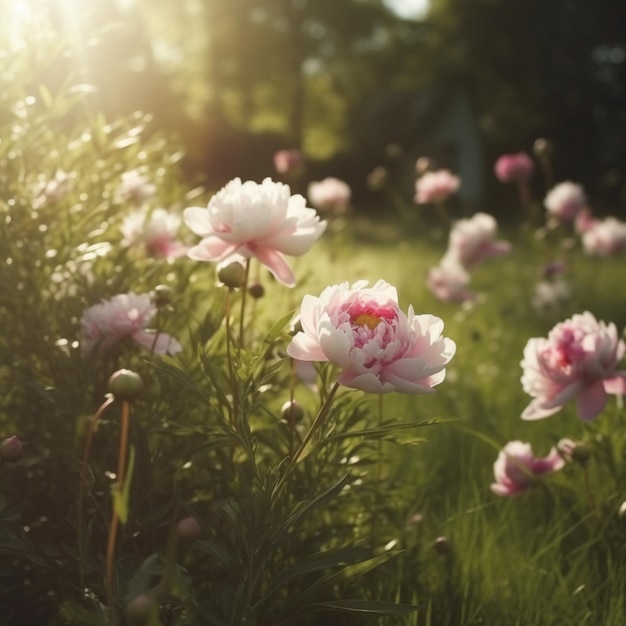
(408,8)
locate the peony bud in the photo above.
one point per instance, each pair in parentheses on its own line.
(125,384)
(542,148)
(422,165)
(232,275)
(292,412)
(256,290)
(162,296)
(575,451)
(442,545)
(188,529)
(11,449)
(581,453)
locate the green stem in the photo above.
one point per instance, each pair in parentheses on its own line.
(81,488)
(317,422)
(121,470)
(156,333)
(244,291)
(229,357)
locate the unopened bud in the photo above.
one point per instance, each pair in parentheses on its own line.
(188,529)
(11,449)
(292,412)
(232,275)
(575,451)
(442,545)
(542,148)
(163,295)
(422,165)
(621,512)
(581,453)
(125,384)
(256,290)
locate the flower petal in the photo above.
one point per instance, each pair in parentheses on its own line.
(275,262)
(616,385)
(591,401)
(159,344)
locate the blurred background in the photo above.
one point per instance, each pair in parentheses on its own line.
(356,84)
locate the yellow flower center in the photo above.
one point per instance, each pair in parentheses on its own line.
(367,319)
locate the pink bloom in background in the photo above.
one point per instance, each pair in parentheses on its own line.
(448,282)
(362,330)
(124,316)
(550,296)
(584,221)
(514,168)
(565,200)
(136,187)
(288,161)
(474,239)
(605,237)
(155,231)
(579,360)
(516,468)
(330,194)
(261,220)
(436,187)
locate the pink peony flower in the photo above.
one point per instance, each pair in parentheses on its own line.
(288,161)
(605,237)
(516,468)
(362,330)
(448,282)
(155,231)
(578,359)
(123,316)
(330,194)
(565,200)
(514,168)
(474,239)
(436,187)
(255,220)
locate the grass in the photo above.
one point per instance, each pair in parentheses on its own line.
(553,556)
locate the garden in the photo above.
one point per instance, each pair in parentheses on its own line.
(255,374)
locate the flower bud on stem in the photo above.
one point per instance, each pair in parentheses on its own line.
(11,449)
(317,422)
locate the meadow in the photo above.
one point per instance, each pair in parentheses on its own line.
(168,459)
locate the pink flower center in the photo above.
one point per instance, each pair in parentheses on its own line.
(567,351)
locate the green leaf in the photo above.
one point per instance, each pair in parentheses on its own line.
(121,498)
(304,508)
(214,550)
(375,607)
(170,368)
(342,556)
(276,330)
